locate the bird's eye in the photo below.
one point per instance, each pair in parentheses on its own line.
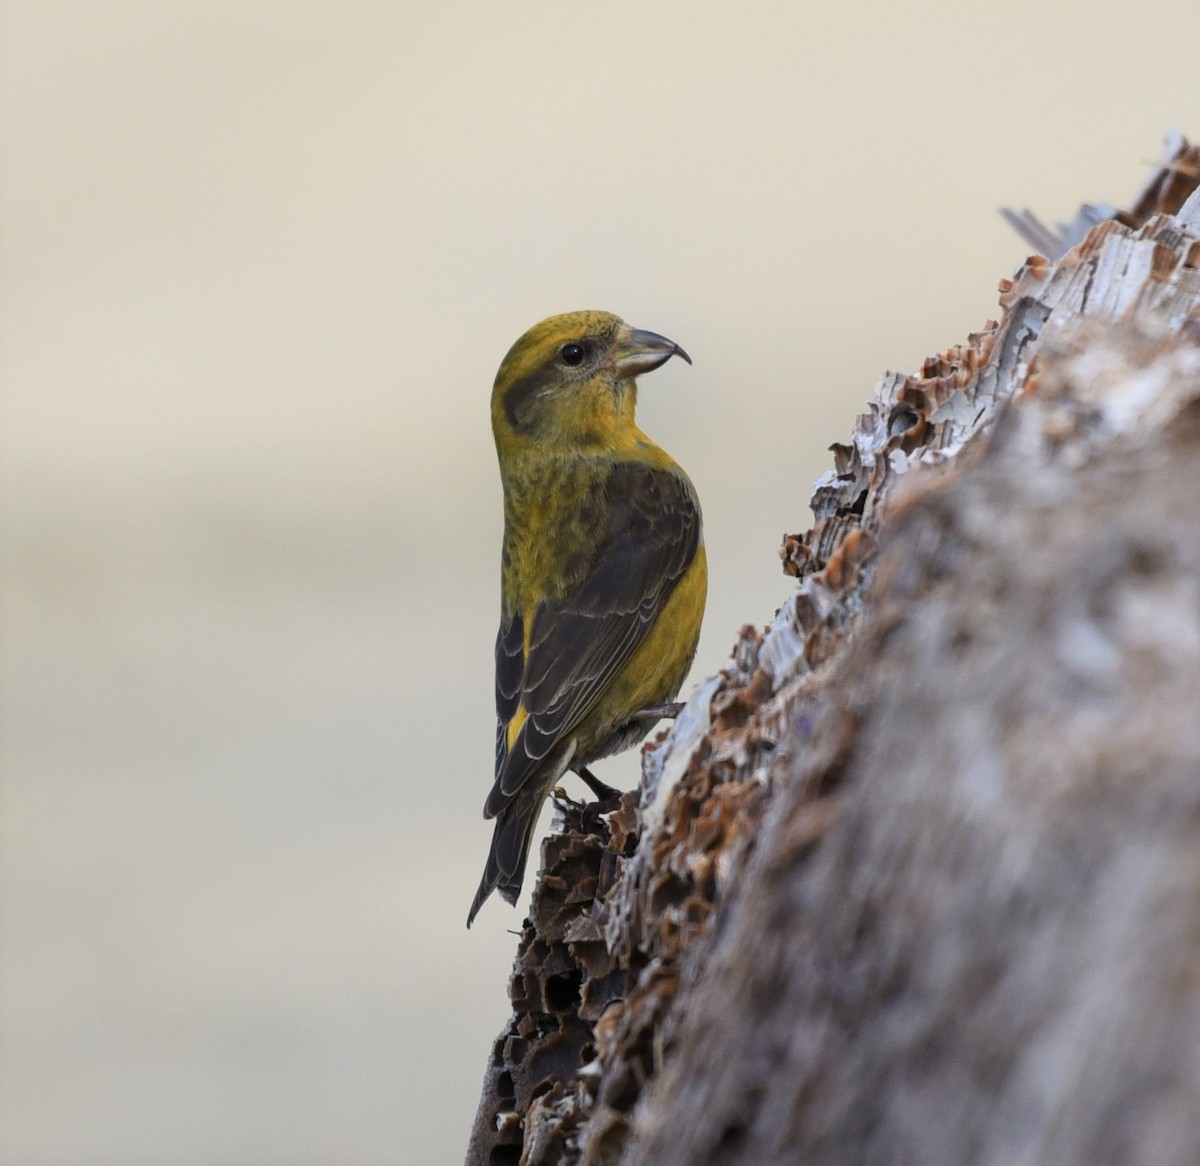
(572,353)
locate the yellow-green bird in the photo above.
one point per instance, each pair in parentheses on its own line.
(603,573)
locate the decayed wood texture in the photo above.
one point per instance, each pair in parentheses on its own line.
(917,877)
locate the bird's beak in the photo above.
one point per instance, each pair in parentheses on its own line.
(637,351)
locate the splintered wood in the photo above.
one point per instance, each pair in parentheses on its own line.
(829,926)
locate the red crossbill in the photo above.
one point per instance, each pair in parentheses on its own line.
(603,573)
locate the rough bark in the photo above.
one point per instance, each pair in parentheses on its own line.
(916,878)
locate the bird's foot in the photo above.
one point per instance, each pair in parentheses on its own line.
(563,801)
(604,793)
(658,712)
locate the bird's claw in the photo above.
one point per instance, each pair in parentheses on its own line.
(658,712)
(603,791)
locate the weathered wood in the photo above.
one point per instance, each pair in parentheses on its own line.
(917,877)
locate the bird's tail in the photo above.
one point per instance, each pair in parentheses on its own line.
(505,869)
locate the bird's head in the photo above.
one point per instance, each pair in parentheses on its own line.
(569,382)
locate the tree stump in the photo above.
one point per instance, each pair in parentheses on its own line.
(916,877)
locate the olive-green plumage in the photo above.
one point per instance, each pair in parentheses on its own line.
(603,576)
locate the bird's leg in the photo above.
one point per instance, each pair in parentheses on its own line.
(604,793)
(658,712)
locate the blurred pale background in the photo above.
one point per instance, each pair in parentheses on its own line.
(260,262)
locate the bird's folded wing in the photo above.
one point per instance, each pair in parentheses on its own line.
(646,524)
